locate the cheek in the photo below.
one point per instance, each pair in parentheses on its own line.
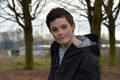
(69,32)
(54,35)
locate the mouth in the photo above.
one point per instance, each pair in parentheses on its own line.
(61,38)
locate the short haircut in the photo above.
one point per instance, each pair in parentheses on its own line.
(58,13)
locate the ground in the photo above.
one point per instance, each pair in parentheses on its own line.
(38,74)
(41,74)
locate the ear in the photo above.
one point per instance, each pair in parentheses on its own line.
(73,27)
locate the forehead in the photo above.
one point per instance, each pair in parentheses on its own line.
(58,22)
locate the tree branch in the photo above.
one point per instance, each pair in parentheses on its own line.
(118,10)
(17,15)
(8,18)
(35,15)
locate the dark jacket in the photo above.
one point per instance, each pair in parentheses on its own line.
(77,64)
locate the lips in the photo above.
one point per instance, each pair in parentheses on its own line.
(61,38)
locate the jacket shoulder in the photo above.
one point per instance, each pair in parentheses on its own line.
(95,47)
(54,47)
(92,37)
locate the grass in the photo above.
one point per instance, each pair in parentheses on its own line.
(43,61)
(108,71)
(11,63)
(18,62)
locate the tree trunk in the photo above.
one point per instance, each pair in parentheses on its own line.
(112,53)
(97,18)
(28,36)
(112,39)
(96,25)
(28,48)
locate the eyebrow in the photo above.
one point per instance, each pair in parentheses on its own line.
(59,26)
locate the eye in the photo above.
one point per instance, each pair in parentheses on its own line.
(54,29)
(64,27)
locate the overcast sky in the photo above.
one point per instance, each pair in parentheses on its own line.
(82,27)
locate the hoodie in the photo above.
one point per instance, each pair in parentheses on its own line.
(78,63)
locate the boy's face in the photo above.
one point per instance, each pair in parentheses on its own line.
(62,30)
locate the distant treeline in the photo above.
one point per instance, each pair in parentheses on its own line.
(107,41)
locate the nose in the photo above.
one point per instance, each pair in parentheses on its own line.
(60,32)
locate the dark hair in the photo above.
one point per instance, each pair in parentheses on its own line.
(58,13)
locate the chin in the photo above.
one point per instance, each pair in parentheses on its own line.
(62,42)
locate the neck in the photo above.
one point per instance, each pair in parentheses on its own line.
(74,40)
(65,46)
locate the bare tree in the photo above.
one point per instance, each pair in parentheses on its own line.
(91,9)
(23,12)
(112,11)
(96,15)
